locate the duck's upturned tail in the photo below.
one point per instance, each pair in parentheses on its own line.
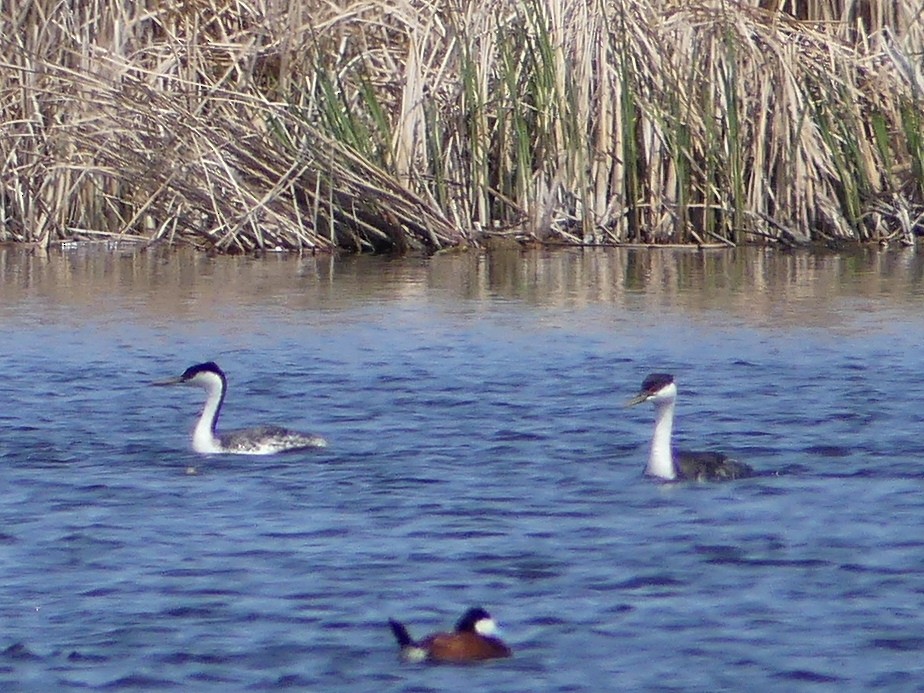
(410,650)
(401,635)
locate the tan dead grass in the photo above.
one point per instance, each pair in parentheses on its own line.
(377,125)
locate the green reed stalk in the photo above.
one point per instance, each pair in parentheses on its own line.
(681,150)
(339,117)
(629,162)
(477,136)
(730,81)
(838,133)
(912,122)
(440,183)
(514,131)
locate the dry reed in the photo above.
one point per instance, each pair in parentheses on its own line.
(387,125)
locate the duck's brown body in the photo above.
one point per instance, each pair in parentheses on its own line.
(463,647)
(469,642)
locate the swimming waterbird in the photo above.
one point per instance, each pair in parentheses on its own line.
(663,462)
(260,440)
(474,639)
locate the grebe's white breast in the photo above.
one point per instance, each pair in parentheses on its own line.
(259,440)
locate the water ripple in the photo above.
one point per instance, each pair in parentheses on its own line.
(480,455)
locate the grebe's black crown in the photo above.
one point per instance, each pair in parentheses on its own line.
(470,618)
(655,381)
(207,367)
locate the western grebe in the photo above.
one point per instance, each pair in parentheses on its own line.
(260,440)
(663,463)
(473,639)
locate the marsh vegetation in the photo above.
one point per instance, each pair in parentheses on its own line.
(383,125)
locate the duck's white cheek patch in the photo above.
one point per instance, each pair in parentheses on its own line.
(486,626)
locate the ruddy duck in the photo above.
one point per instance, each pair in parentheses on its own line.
(473,640)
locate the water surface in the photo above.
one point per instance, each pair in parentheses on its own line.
(479,455)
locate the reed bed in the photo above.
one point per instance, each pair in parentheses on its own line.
(391,125)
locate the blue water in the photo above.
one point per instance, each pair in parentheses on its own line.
(479,455)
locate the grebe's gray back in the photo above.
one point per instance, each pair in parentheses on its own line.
(663,461)
(260,440)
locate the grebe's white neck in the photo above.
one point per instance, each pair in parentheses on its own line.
(205,439)
(661,457)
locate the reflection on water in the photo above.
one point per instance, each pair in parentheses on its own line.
(752,285)
(478,454)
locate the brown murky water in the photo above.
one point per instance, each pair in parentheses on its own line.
(751,285)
